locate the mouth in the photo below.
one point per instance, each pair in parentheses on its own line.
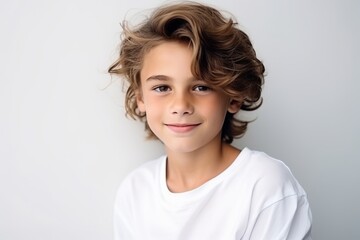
(182,128)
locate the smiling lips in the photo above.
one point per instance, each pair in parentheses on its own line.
(182,128)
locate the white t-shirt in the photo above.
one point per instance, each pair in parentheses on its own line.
(256,197)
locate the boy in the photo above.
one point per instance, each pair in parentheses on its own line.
(190,70)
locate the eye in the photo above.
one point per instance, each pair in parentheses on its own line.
(202,88)
(162,88)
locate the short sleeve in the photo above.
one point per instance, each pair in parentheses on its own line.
(286,219)
(122,217)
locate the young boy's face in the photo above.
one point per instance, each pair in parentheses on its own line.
(185,113)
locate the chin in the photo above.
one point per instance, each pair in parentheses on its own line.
(182,149)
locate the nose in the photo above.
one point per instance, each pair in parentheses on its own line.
(181,104)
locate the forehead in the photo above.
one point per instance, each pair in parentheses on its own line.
(167,49)
(167,58)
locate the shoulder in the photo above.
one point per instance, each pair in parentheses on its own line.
(272,178)
(141,177)
(279,205)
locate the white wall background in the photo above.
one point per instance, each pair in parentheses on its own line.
(65,144)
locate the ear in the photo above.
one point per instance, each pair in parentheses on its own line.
(234,106)
(140,101)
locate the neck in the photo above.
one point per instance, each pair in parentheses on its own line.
(187,171)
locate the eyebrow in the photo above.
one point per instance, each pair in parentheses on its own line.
(165,78)
(159,77)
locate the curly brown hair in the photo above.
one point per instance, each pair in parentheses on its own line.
(223,56)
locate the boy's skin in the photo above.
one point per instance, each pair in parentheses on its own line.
(186,114)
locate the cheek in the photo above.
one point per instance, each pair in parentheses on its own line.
(215,110)
(218,105)
(154,118)
(153,110)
